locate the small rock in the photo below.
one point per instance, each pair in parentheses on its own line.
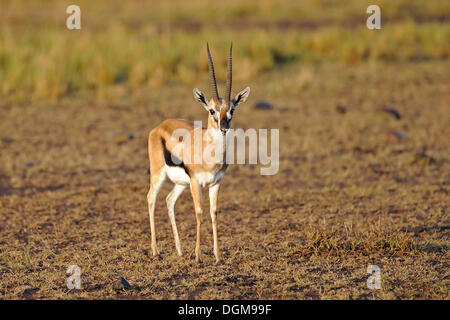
(399,135)
(341,109)
(392,112)
(30,164)
(122,284)
(263,105)
(29,293)
(125,283)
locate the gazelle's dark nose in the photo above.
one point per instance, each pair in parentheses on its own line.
(224,124)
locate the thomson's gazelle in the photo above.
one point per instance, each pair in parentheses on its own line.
(162,149)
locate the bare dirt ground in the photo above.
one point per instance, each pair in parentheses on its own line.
(356,186)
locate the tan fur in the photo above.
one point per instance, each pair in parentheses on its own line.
(160,138)
(162,142)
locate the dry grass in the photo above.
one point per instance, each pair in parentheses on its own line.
(145,44)
(356,186)
(349,193)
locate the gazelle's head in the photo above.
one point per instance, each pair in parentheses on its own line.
(220,109)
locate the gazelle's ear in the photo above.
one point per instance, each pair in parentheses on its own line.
(241,97)
(200,97)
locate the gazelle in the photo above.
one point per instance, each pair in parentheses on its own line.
(162,150)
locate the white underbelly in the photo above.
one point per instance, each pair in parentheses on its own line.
(177,175)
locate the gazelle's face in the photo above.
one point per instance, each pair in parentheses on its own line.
(221,112)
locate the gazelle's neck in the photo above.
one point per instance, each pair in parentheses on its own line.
(215,136)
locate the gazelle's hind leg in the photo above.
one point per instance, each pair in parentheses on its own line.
(171,200)
(156,181)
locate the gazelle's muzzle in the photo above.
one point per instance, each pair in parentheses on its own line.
(224,125)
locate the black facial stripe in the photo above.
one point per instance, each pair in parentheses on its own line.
(237,100)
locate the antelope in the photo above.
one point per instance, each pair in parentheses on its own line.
(162,146)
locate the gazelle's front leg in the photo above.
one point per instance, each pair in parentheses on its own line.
(213,195)
(197,197)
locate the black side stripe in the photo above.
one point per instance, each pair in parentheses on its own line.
(173,161)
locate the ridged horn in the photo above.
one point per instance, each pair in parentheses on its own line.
(229,76)
(212,75)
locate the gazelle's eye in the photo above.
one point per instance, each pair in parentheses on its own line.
(231,111)
(211,111)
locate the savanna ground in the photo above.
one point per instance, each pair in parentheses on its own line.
(356,184)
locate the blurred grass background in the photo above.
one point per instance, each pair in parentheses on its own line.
(151,44)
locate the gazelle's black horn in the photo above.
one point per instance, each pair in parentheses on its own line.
(212,75)
(229,77)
